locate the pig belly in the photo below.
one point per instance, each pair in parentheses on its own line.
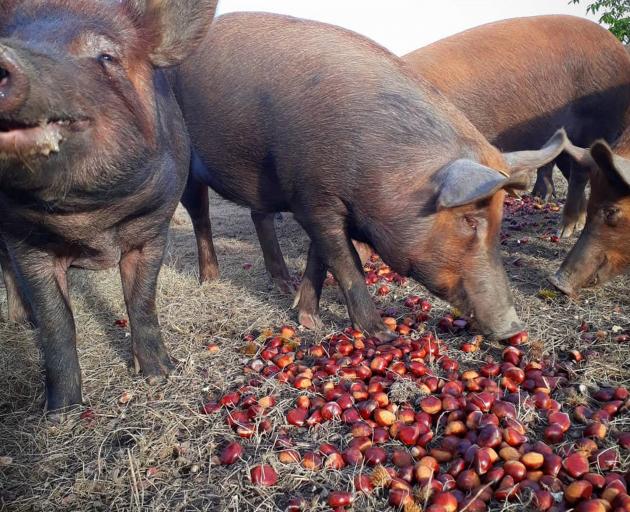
(99,260)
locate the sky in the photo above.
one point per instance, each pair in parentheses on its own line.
(404,25)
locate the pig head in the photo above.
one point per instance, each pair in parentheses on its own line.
(459,258)
(603,249)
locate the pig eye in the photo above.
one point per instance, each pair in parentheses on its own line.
(105,58)
(612,215)
(472,222)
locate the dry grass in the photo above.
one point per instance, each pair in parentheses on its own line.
(155,452)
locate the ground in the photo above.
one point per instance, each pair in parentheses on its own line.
(148,448)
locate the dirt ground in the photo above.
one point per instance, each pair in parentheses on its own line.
(149,448)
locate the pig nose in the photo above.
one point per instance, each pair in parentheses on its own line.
(14,84)
(560,282)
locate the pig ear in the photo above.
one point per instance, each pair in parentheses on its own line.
(613,166)
(465,182)
(531,160)
(174,28)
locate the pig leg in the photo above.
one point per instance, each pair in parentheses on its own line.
(46,286)
(335,248)
(363,250)
(274,261)
(139,269)
(574,212)
(310,291)
(18,310)
(544,187)
(195,200)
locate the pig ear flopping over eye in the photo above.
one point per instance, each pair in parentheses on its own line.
(466,181)
(174,28)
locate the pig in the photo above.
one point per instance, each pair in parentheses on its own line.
(603,248)
(519,80)
(94,157)
(294,115)
(515,85)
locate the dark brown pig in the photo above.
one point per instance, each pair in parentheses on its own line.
(94,157)
(603,249)
(293,115)
(521,79)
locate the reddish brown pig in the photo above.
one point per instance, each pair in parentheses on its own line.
(94,157)
(603,249)
(519,80)
(294,115)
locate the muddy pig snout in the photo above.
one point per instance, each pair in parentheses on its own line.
(14,84)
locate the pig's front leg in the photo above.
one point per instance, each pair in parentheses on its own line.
(195,200)
(139,269)
(18,311)
(45,286)
(335,248)
(544,187)
(310,291)
(274,260)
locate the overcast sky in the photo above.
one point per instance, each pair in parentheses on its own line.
(404,25)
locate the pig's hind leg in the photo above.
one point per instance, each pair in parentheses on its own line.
(139,269)
(274,260)
(195,200)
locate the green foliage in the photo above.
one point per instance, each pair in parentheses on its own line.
(613,13)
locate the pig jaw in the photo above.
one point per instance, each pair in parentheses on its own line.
(585,266)
(492,306)
(484,294)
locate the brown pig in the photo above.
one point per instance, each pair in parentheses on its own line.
(94,157)
(603,249)
(521,79)
(294,115)
(517,81)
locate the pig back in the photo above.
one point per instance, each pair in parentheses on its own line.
(278,105)
(519,80)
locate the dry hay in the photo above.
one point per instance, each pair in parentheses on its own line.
(148,448)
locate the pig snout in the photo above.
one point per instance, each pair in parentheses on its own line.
(498,321)
(14,84)
(490,298)
(562,281)
(585,265)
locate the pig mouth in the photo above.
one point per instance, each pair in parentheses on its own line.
(563,284)
(598,275)
(22,140)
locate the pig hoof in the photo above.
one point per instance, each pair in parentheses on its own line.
(208,275)
(570,227)
(155,368)
(567,229)
(311,321)
(284,286)
(543,192)
(386,335)
(59,415)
